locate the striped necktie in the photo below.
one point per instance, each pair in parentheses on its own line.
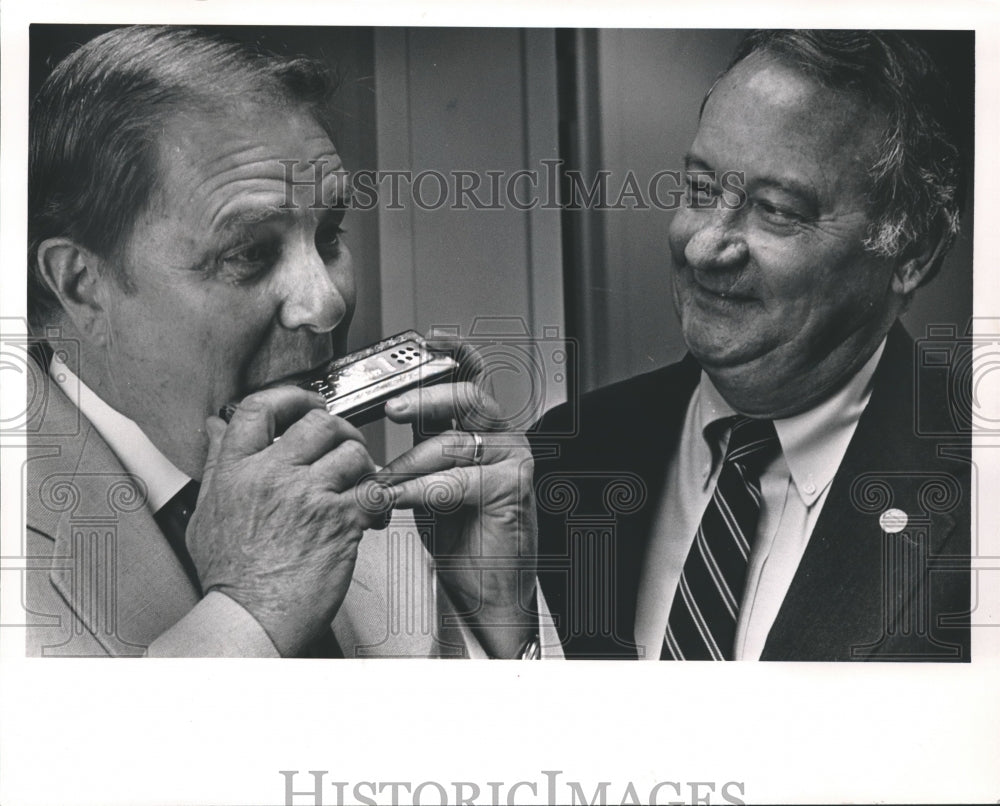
(702,623)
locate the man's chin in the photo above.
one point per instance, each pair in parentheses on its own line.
(717,348)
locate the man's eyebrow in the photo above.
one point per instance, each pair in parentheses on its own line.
(333,191)
(254,214)
(781,182)
(692,162)
(696,165)
(787,184)
(249,216)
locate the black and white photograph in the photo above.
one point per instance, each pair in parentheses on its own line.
(379,388)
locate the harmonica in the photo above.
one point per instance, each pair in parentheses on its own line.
(357,386)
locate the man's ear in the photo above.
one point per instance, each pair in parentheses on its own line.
(918,262)
(71,272)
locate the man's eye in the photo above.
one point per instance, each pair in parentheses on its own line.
(699,191)
(249,254)
(328,241)
(248,261)
(774,214)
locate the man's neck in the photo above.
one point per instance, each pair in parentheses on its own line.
(188,456)
(751,390)
(134,450)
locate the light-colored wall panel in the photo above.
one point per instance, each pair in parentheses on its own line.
(476,100)
(651,83)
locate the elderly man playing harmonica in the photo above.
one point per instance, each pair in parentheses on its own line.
(161,243)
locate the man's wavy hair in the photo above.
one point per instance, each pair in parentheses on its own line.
(919,175)
(95,126)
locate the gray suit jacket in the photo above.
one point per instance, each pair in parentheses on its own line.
(103,580)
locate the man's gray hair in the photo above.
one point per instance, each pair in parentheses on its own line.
(95,126)
(919,174)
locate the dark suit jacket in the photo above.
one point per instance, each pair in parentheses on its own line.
(859,593)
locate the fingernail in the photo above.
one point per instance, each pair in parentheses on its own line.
(397,406)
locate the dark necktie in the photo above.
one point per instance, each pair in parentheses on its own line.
(173,517)
(702,623)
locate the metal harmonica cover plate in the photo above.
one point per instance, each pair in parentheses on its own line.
(356,386)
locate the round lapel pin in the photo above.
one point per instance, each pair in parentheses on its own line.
(893,520)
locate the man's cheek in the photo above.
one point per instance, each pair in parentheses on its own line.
(219,355)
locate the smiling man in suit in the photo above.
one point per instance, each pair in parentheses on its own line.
(781,502)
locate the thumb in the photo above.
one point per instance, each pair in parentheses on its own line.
(216,428)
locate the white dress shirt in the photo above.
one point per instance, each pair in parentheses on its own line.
(138,455)
(227,627)
(794,487)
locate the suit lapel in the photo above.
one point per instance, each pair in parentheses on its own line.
(111,563)
(595,539)
(858,592)
(855,582)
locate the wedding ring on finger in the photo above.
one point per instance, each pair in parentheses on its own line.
(480,448)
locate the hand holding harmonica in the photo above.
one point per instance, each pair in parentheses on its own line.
(277,524)
(470,479)
(476,488)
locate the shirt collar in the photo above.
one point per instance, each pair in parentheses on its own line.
(138,455)
(814,442)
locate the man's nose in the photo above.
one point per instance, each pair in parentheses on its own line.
(717,242)
(313,298)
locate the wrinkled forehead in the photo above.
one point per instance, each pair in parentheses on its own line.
(776,85)
(273,154)
(768,115)
(787,78)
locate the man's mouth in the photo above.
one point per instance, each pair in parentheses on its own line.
(298,376)
(720,289)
